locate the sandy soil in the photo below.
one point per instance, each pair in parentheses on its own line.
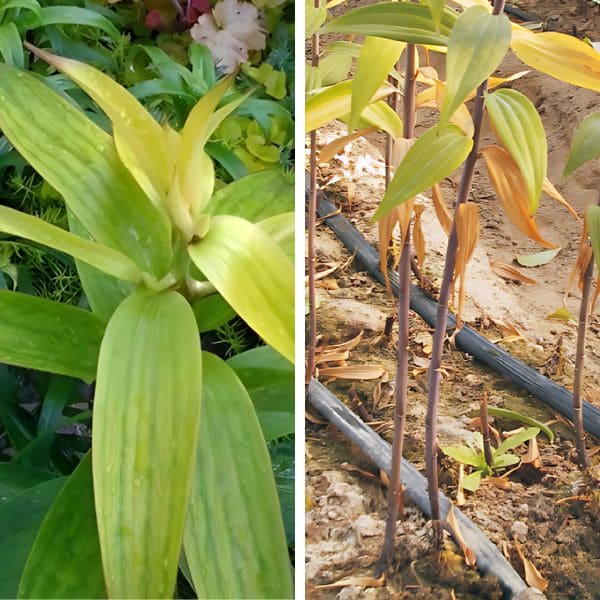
(346,509)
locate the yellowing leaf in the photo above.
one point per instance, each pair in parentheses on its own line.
(561,314)
(586,143)
(435,155)
(461,117)
(477,45)
(418,237)
(549,189)
(510,187)
(507,272)
(382,116)
(467,233)
(337,146)
(561,56)
(334,102)
(377,57)
(520,129)
(540,258)
(441,210)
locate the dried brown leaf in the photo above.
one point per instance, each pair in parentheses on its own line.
(554,193)
(512,191)
(532,576)
(508,272)
(359,372)
(470,558)
(441,210)
(362,581)
(418,237)
(338,145)
(533,454)
(349,345)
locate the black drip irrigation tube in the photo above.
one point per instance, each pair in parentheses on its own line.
(489,558)
(467,339)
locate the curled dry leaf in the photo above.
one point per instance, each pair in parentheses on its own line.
(507,272)
(418,237)
(467,233)
(349,345)
(452,523)
(460,493)
(502,483)
(549,188)
(441,209)
(354,372)
(338,145)
(533,454)
(532,576)
(512,191)
(332,356)
(361,581)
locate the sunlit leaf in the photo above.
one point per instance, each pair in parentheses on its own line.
(436,8)
(253,274)
(144,442)
(472,481)
(539,258)
(234,539)
(65,559)
(465,455)
(520,129)
(511,189)
(562,314)
(11,46)
(586,143)
(515,440)
(434,156)
(461,116)
(477,45)
(548,188)
(380,115)
(334,68)
(377,57)
(559,55)
(400,21)
(280,228)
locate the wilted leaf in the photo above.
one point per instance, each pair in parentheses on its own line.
(532,576)
(360,372)
(477,45)
(510,187)
(349,345)
(561,56)
(467,234)
(434,156)
(533,454)
(338,145)
(520,129)
(418,237)
(470,558)
(361,581)
(561,314)
(592,217)
(441,210)
(539,258)
(507,272)
(549,188)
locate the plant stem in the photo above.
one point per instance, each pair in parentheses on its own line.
(582,455)
(434,373)
(395,503)
(312,226)
(485,430)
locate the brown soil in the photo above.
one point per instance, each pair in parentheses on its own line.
(346,513)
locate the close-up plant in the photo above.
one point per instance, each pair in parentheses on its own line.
(146,390)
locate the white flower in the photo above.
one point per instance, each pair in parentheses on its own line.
(230,32)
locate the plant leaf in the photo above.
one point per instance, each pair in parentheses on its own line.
(400,21)
(505,460)
(472,481)
(234,540)
(253,275)
(65,559)
(39,334)
(377,57)
(467,234)
(533,577)
(514,441)
(510,187)
(103,258)
(586,143)
(15,478)
(465,455)
(269,379)
(146,418)
(435,155)
(314,18)
(476,47)
(107,201)
(11,47)
(20,520)
(520,129)
(561,56)
(592,217)
(211,312)
(381,116)
(509,272)
(539,258)
(280,228)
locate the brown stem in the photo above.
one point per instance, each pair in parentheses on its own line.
(434,373)
(485,430)
(582,455)
(312,226)
(395,502)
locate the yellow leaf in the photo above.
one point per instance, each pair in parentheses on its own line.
(561,56)
(510,187)
(561,314)
(461,117)
(335,147)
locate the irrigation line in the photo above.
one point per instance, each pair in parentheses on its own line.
(489,558)
(467,340)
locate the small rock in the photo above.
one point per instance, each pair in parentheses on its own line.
(523,510)
(367,526)
(520,529)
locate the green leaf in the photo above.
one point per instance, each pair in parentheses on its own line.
(48,336)
(592,217)
(520,129)
(11,47)
(436,8)
(334,102)
(56,398)
(476,47)
(381,116)
(515,416)
(20,520)
(65,561)
(377,57)
(472,481)
(586,144)
(505,460)
(282,459)
(465,455)
(211,312)
(434,156)
(104,258)
(539,258)
(254,197)
(253,275)
(314,17)
(50,134)
(333,68)
(146,417)
(15,478)
(514,441)
(69,15)
(269,379)
(234,540)
(280,228)
(400,21)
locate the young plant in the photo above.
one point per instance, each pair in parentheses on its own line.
(178,456)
